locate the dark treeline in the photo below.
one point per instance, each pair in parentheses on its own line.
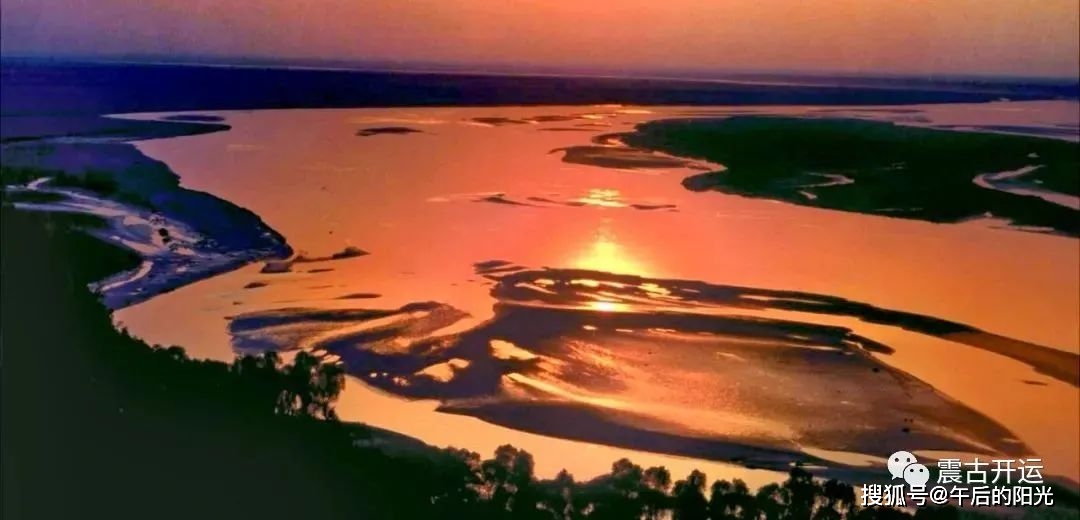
(121,429)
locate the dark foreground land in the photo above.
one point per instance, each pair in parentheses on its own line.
(97,424)
(873,167)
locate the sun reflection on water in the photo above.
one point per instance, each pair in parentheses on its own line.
(606,306)
(606,254)
(607,198)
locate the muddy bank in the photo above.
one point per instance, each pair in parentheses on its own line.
(184,235)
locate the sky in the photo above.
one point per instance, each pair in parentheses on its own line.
(940,37)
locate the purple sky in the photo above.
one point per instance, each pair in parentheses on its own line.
(1022,37)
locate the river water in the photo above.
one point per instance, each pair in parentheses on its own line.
(586,313)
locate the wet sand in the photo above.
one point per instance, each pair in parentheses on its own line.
(648,377)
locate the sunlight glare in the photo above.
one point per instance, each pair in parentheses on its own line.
(606,306)
(607,255)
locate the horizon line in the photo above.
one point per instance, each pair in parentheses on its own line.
(531,70)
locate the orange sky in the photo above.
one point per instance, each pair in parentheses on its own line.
(1036,37)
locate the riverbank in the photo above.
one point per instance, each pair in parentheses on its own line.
(119,430)
(182,235)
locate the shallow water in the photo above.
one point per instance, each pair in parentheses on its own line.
(696,354)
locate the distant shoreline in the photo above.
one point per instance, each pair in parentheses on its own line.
(759,76)
(40,88)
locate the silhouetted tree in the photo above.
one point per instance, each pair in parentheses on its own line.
(802,494)
(311,387)
(557,496)
(689,498)
(455,481)
(746,506)
(176,353)
(508,479)
(839,501)
(731,501)
(602,500)
(654,495)
(772,501)
(263,381)
(626,484)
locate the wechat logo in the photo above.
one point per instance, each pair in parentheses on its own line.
(903,464)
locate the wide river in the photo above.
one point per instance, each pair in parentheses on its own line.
(522,327)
